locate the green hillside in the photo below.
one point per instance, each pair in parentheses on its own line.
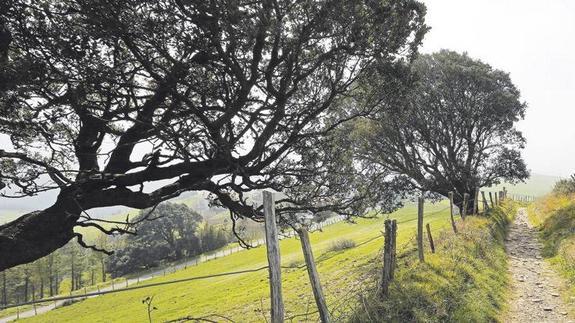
(242,296)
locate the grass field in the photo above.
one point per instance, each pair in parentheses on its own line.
(245,297)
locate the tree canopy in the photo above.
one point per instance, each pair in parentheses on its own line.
(167,232)
(119,102)
(451,128)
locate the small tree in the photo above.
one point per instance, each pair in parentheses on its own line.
(168,232)
(452,128)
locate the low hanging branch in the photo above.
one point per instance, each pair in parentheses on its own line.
(219,97)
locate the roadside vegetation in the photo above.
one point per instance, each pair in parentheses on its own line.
(554,216)
(464,281)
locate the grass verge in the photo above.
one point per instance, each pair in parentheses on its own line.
(466,280)
(554,216)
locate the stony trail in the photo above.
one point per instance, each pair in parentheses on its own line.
(536,287)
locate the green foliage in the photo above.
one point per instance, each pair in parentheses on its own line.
(554,215)
(167,233)
(565,186)
(452,128)
(464,281)
(217,96)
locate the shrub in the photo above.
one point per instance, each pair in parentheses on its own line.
(565,186)
(341,244)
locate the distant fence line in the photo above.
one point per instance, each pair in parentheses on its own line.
(285,234)
(189,263)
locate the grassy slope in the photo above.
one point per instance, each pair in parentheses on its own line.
(465,281)
(555,217)
(241,296)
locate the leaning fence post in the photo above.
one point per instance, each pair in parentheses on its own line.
(313,275)
(485,205)
(491,200)
(273,252)
(388,256)
(450,194)
(464,206)
(476,201)
(431,244)
(420,228)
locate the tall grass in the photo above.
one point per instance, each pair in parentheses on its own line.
(554,216)
(466,280)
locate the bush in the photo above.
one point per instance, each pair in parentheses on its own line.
(341,244)
(565,186)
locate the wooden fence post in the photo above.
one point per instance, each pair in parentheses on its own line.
(431,244)
(420,228)
(393,248)
(476,201)
(485,205)
(465,205)
(491,200)
(450,194)
(313,275)
(496,198)
(273,252)
(33,299)
(388,256)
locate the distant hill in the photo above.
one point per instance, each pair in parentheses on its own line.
(536,185)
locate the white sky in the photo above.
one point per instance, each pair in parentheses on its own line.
(534,41)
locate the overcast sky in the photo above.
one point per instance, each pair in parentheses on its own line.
(534,42)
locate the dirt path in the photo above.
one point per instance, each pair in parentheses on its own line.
(535,285)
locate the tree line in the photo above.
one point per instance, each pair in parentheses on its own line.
(69,268)
(177,232)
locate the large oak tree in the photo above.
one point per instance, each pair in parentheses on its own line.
(100,98)
(451,128)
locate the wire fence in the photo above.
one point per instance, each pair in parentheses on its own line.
(201,259)
(227,252)
(176,267)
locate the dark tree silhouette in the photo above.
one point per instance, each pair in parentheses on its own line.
(101,98)
(452,128)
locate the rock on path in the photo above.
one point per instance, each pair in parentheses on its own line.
(535,285)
